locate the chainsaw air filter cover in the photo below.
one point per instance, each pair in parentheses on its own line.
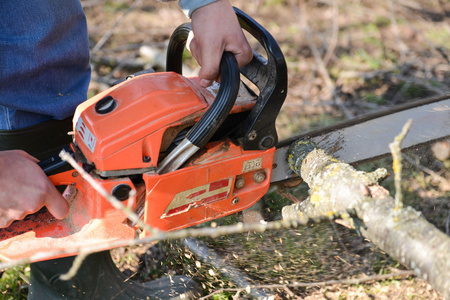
(121,130)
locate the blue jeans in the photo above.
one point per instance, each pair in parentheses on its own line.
(44,61)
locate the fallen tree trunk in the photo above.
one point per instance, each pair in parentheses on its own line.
(338,190)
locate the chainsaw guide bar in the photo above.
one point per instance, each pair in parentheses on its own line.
(368,137)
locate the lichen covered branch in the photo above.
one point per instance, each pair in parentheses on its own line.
(339,190)
(334,186)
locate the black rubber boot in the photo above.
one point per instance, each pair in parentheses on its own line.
(98,278)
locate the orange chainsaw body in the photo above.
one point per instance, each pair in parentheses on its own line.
(177,145)
(125,135)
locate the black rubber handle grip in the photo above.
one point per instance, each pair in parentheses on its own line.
(208,124)
(175,49)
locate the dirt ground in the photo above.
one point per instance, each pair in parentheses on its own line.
(345,58)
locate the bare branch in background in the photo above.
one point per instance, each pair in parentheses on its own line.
(110,32)
(306,30)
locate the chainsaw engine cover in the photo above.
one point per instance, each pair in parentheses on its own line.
(121,130)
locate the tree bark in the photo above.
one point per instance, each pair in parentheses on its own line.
(337,189)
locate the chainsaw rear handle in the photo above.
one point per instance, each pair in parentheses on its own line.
(208,124)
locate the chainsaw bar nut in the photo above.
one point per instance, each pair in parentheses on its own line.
(240,182)
(259,176)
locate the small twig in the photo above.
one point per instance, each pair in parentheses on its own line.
(90,3)
(288,196)
(24,278)
(437,177)
(395,147)
(306,29)
(418,81)
(75,266)
(439,50)
(114,62)
(351,281)
(346,251)
(158,236)
(110,198)
(334,34)
(447,225)
(401,46)
(131,200)
(220,291)
(289,292)
(237,295)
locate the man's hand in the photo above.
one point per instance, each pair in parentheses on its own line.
(25,189)
(215,29)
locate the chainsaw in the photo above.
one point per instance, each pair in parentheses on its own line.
(192,154)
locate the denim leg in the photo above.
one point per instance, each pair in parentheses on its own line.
(44,59)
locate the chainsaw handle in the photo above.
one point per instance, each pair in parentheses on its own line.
(257,132)
(204,129)
(175,49)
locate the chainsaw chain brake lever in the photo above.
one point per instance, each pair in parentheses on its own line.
(258,131)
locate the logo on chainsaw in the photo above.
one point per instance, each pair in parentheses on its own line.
(86,135)
(198,196)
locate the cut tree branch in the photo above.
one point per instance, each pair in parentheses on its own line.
(338,190)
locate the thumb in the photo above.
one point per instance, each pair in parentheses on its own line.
(56,204)
(209,71)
